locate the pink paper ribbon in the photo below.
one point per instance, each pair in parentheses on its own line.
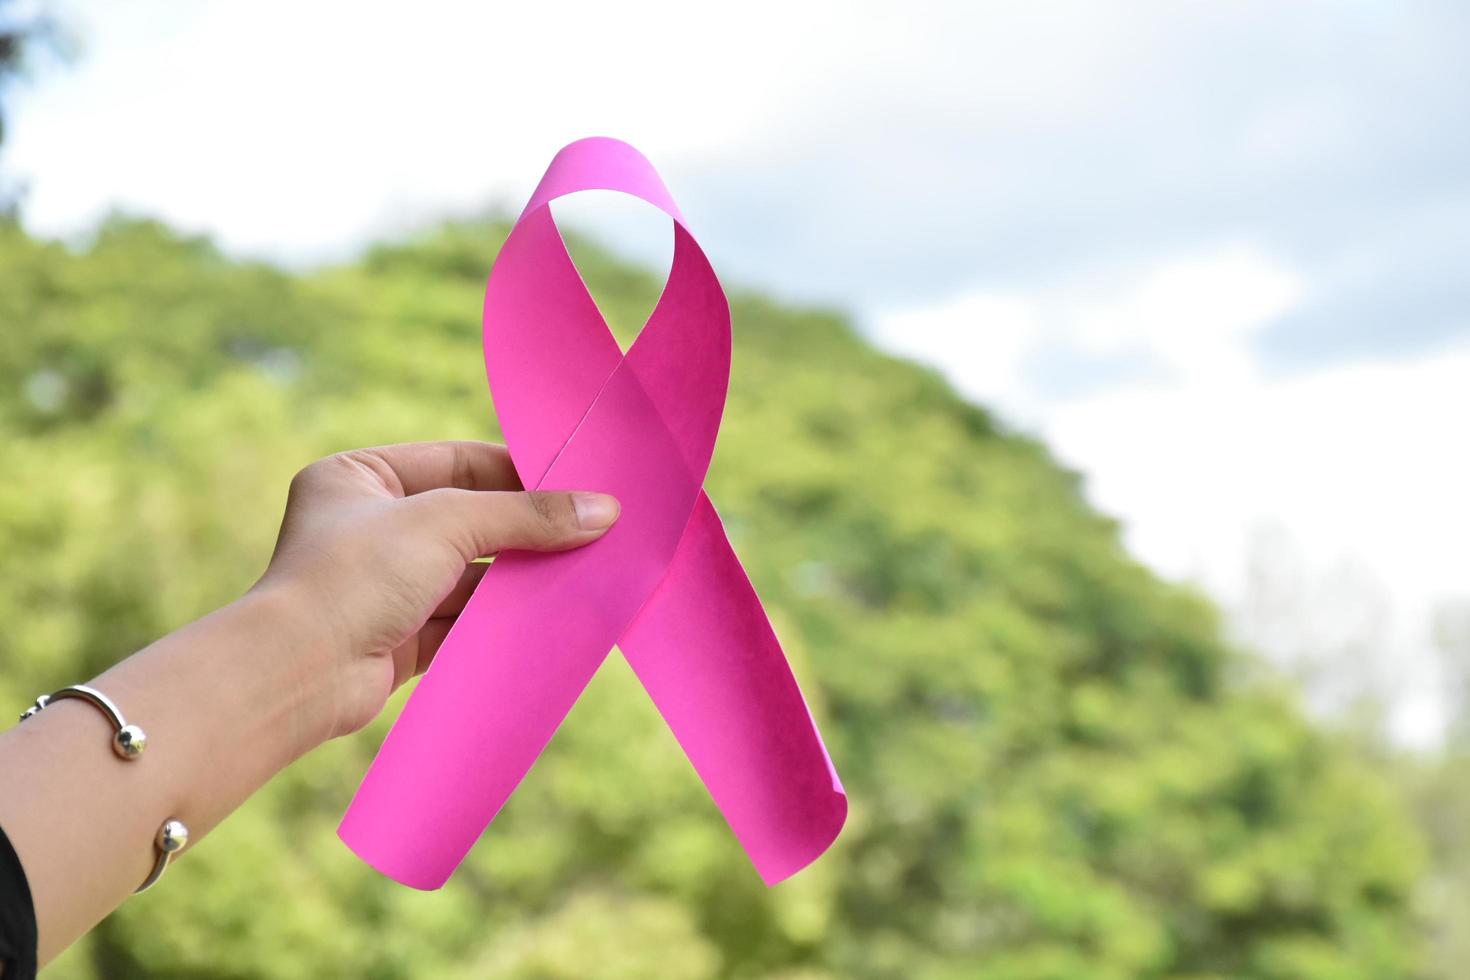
(663,584)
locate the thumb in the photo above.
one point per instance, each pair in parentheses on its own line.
(486,522)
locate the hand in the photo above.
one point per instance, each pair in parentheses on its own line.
(376,557)
(373,563)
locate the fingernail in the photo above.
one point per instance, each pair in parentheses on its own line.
(595,511)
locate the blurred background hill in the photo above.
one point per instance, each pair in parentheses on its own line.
(1062,765)
(1058,767)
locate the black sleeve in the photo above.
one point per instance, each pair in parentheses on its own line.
(17,917)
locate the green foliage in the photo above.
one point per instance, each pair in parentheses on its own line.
(1058,770)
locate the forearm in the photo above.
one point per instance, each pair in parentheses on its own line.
(227,702)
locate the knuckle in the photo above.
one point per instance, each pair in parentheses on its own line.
(358,460)
(311,475)
(553,511)
(438,497)
(446,506)
(300,482)
(348,459)
(461,469)
(333,467)
(442,511)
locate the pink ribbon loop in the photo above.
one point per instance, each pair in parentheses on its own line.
(663,584)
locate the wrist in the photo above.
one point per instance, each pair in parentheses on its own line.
(296,664)
(227,701)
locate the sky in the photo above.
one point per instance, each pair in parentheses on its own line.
(1214,254)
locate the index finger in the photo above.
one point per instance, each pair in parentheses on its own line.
(461,464)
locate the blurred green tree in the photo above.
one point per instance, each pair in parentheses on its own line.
(1058,769)
(1440,786)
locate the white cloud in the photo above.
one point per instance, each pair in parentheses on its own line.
(1362,463)
(981,340)
(298,129)
(1193,314)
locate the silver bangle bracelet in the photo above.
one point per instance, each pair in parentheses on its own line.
(128,743)
(172,836)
